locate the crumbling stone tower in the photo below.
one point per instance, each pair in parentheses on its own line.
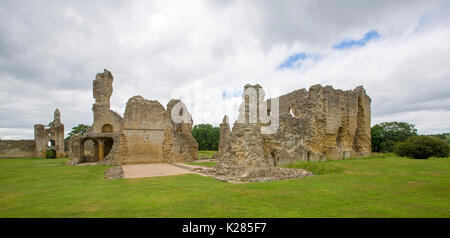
(315,125)
(50,137)
(145,134)
(105,120)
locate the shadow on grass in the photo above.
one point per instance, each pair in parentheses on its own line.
(329,166)
(317,168)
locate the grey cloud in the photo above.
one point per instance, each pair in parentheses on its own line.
(50,51)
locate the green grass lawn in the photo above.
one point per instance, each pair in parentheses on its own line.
(206,153)
(373,187)
(207,164)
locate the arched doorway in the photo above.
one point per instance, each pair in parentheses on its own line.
(50,154)
(107,128)
(89,150)
(108,144)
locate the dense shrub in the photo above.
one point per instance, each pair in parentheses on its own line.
(385,135)
(207,136)
(422,147)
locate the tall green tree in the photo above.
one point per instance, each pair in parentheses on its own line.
(385,135)
(207,136)
(78,130)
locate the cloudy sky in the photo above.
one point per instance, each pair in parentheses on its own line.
(206,51)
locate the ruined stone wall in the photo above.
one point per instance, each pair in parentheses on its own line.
(104,118)
(67,148)
(104,148)
(146,133)
(179,144)
(337,122)
(322,123)
(143,126)
(16,148)
(50,137)
(225,137)
(88,147)
(41,141)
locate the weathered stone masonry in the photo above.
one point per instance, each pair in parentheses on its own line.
(146,133)
(17,148)
(313,125)
(50,137)
(46,137)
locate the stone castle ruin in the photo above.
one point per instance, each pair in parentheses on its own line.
(48,142)
(50,138)
(315,125)
(146,133)
(304,125)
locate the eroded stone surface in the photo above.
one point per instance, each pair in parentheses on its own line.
(146,133)
(17,149)
(224,140)
(50,137)
(313,125)
(46,137)
(114,172)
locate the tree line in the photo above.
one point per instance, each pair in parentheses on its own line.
(387,137)
(402,139)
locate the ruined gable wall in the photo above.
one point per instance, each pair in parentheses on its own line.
(179,144)
(143,126)
(16,148)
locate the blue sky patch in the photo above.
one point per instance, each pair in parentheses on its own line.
(230,93)
(295,60)
(290,62)
(349,43)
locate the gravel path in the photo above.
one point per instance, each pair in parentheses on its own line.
(153,170)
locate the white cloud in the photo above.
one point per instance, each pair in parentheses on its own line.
(50,52)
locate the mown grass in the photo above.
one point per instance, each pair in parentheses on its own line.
(328,166)
(206,153)
(207,164)
(370,187)
(317,168)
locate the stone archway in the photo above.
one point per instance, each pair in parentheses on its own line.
(107,128)
(89,150)
(50,154)
(107,144)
